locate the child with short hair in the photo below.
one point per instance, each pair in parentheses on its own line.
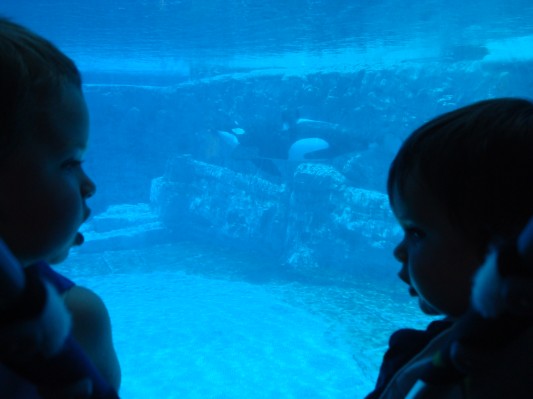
(44,131)
(461,187)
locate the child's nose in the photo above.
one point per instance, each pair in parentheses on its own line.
(88,187)
(400,253)
(404,274)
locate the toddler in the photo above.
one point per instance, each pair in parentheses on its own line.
(461,187)
(55,336)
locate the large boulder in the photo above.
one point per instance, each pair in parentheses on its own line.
(314,221)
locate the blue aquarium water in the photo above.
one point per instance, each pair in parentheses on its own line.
(189,322)
(233,265)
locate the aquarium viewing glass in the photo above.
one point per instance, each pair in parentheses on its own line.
(241,235)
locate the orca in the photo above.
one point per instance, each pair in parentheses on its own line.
(297,140)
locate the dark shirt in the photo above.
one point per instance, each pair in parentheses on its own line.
(404,344)
(11,384)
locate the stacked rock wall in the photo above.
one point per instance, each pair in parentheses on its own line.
(315,220)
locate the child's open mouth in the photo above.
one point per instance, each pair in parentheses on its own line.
(79,239)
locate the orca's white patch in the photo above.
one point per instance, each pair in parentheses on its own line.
(230,139)
(300,148)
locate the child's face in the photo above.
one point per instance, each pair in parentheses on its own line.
(43,187)
(438,261)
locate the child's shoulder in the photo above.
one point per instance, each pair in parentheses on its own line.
(91,324)
(86,307)
(91,327)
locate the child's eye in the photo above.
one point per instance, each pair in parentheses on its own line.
(414,233)
(72,164)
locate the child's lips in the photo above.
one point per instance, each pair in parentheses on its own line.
(79,239)
(406,280)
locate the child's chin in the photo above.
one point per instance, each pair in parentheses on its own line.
(62,254)
(427,308)
(58,258)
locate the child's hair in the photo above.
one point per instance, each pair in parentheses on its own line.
(478,161)
(32,73)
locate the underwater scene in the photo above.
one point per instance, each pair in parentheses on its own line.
(241,234)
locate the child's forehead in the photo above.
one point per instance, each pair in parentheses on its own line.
(412,199)
(65,123)
(407,188)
